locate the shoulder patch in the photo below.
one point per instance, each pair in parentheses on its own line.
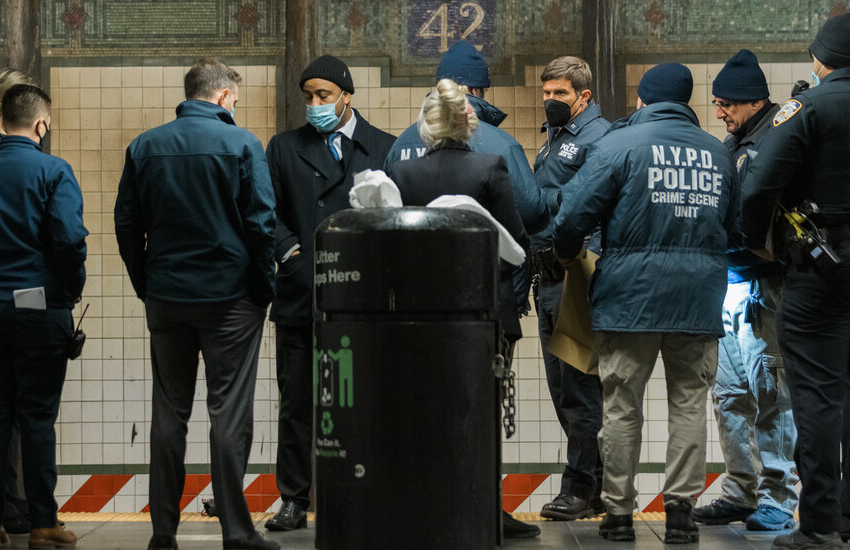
(787,111)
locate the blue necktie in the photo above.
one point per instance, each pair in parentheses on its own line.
(331,139)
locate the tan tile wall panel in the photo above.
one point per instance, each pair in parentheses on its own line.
(97,112)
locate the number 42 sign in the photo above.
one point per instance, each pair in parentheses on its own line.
(433,26)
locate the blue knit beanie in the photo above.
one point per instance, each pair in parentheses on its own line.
(667,82)
(463,64)
(741,79)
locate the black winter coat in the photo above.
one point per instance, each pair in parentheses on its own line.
(309,186)
(454,169)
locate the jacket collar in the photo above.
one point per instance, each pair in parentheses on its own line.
(486,112)
(838,74)
(574,125)
(197,107)
(756,131)
(663,110)
(362,137)
(17,142)
(450,144)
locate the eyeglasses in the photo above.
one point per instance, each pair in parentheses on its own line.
(724,104)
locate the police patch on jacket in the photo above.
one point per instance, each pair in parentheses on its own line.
(787,111)
(740,161)
(569,150)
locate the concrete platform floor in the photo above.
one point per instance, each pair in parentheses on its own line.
(114,532)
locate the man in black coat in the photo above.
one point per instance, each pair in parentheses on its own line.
(312,170)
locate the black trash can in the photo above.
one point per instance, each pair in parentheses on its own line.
(406,407)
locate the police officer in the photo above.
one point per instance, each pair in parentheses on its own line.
(42,255)
(573,122)
(664,192)
(805,158)
(751,400)
(463,64)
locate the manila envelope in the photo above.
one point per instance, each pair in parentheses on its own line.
(572,340)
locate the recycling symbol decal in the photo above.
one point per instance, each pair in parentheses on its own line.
(327,423)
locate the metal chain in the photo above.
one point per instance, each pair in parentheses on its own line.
(508,393)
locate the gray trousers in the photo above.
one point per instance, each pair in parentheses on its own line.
(228,335)
(626,361)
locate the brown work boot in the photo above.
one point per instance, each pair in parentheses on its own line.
(52,537)
(4,538)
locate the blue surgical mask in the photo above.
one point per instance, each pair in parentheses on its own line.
(323,117)
(816,76)
(232,107)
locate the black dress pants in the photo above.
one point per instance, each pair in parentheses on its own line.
(228,335)
(294,345)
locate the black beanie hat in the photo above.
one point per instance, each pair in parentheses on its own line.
(667,82)
(331,69)
(741,79)
(832,44)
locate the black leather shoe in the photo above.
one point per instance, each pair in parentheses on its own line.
(597,505)
(619,527)
(290,517)
(18,525)
(845,528)
(254,542)
(567,507)
(163,542)
(681,528)
(515,529)
(720,512)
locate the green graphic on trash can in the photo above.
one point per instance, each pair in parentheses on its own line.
(327,423)
(333,375)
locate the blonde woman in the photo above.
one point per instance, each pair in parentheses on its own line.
(10,77)
(450,167)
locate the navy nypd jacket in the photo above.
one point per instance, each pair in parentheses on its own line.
(487,138)
(560,158)
(42,237)
(194,215)
(665,193)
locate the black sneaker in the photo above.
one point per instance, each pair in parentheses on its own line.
(513,528)
(566,507)
(720,512)
(617,527)
(681,528)
(254,542)
(163,542)
(290,517)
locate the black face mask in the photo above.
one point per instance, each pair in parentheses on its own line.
(42,138)
(558,113)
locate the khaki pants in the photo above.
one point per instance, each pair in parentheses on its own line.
(626,361)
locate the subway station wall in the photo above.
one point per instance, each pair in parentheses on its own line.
(114,69)
(104,418)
